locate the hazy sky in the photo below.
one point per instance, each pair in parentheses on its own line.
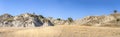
(60,8)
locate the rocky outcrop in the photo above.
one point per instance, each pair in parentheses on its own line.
(23,20)
(108,20)
(58,22)
(47,23)
(32,20)
(5,20)
(27,20)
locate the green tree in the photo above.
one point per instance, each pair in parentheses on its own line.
(117,20)
(58,19)
(115,11)
(41,16)
(70,19)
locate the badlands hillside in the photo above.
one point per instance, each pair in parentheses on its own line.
(32,25)
(33,20)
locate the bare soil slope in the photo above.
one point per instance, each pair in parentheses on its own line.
(61,31)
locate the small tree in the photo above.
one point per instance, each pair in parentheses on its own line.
(34,13)
(41,16)
(58,19)
(70,19)
(117,20)
(115,11)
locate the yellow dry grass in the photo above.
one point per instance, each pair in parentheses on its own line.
(61,31)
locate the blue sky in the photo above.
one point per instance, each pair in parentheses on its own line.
(60,8)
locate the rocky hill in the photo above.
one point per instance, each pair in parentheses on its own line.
(23,20)
(33,20)
(112,20)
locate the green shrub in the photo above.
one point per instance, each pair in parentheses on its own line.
(32,15)
(70,19)
(115,11)
(41,16)
(117,20)
(9,19)
(58,19)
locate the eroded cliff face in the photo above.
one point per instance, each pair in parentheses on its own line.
(27,20)
(23,20)
(106,20)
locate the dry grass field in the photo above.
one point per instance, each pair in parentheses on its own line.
(61,31)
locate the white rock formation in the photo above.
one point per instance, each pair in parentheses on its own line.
(47,23)
(32,20)
(109,20)
(24,20)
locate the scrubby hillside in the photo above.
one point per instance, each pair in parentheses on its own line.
(23,20)
(33,20)
(112,20)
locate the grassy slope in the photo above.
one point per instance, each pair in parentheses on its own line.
(61,31)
